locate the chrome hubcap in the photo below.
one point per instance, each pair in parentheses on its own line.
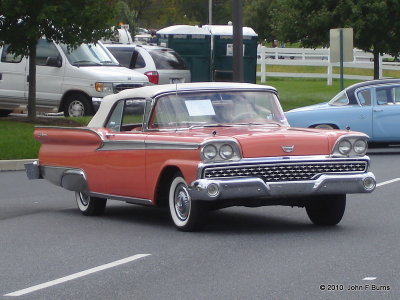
(76,109)
(182,202)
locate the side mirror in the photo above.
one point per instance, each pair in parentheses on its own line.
(54,62)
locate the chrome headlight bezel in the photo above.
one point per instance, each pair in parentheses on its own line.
(104,87)
(351,146)
(221,147)
(209,152)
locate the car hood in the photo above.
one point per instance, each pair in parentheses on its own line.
(110,74)
(263,141)
(318,106)
(284,141)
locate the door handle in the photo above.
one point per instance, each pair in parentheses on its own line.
(378,110)
(1,76)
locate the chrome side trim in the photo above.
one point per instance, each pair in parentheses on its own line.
(139,201)
(69,128)
(121,145)
(146,145)
(156,145)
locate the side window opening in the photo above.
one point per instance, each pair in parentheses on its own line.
(384,96)
(44,50)
(364,97)
(140,63)
(9,57)
(127,115)
(132,119)
(114,122)
(341,99)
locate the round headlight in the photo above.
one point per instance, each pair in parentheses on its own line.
(344,147)
(360,146)
(226,151)
(210,152)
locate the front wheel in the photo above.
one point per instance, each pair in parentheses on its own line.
(186,214)
(77,105)
(326,210)
(90,206)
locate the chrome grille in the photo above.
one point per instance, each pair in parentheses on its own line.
(287,171)
(123,86)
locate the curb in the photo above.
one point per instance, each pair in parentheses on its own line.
(14,165)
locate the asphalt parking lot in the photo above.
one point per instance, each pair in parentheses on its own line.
(48,250)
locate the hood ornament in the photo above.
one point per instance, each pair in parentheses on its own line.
(288,149)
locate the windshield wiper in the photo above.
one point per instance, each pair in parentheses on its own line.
(85,62)
(258,124)
(209,125)
(108,62)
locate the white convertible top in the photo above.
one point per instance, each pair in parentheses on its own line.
(154,90)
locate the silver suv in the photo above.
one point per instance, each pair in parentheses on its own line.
(161,65)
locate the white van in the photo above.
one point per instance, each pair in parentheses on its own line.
(72,81)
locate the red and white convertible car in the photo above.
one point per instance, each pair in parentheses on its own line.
(199,146)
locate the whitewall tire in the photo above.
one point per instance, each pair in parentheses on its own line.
(186,214)
(90,206)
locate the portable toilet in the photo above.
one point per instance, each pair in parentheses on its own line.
(222,52)
(193,45)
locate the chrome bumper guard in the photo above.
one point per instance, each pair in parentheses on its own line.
(251,188)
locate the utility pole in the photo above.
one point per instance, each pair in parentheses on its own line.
(237,20)
(209,12)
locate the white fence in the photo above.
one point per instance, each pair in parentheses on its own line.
(318,58)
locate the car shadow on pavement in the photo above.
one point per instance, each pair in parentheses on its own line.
(231,220)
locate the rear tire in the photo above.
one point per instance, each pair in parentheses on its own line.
(326,210)
(77,105)
(90,206)
(187,215)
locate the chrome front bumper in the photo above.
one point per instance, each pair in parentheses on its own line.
(253,188)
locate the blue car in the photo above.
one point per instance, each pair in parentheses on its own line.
(372,107)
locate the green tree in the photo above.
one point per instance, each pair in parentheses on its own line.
(258,14)
(127,15)
(24,22)
(131,12)
(375,23)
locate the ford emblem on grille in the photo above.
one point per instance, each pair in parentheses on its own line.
(288,149)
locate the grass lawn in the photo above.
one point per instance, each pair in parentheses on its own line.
(16,135)
(16,141)
(298,92)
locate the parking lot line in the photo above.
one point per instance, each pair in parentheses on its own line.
(76,275)
(387,182)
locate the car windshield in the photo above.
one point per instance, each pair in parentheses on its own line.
(207,109)
(88,55)
(340,99)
